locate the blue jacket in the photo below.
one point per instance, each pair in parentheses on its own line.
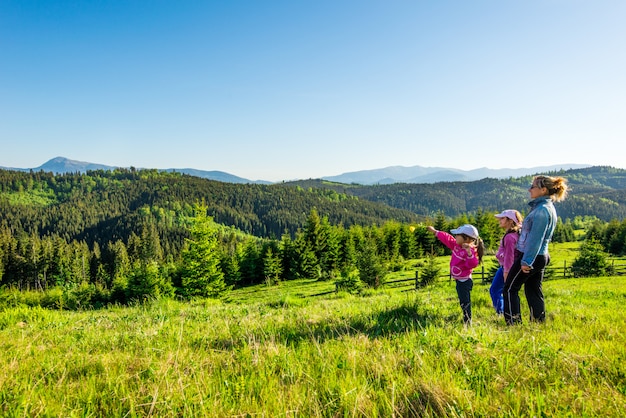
(537,229)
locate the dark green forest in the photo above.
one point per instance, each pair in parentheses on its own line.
(595,191)
(123,235)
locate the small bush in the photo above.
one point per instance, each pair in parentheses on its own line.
(147,281)
(79,297)
(592,261)
(10,298)
(430,272)
(53,298)
(30,297)
(349,281)
(371,270)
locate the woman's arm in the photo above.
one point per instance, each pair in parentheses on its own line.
(536,236)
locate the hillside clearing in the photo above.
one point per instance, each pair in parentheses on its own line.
(282,352)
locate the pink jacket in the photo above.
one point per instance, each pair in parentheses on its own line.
(461,264)
(506,250)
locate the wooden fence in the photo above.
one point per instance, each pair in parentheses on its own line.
(552,272)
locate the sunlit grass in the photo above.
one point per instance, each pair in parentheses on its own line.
(283,352)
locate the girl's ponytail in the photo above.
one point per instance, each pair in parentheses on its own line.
(480,249)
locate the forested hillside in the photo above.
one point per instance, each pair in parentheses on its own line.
(122,235)
(595,191)
(127,234)
(108,205)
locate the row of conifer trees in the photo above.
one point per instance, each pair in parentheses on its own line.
(211,258)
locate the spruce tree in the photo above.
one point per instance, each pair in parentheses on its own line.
(371,269)
(272,267)
(591,261)
(200,263)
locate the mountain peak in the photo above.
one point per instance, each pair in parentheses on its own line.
(62,165)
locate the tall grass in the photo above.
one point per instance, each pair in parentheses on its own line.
(282,352)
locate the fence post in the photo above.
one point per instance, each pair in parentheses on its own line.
(565,269)
(482,272)
(417,279)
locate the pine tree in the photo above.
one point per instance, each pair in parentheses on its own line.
(371,270)
(408,247)
(250,263)
(120,261)
(119,270)
(148,281)
(348,253)
(288,255)
(440,222)
(564,232)
(488,228)
(200,272)
(229,264)
(329,253)
(150,247)
(592,260)
(272,268)
(307,262)
(431,271)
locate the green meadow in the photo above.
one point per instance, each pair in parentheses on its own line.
(384,354)
(295,350)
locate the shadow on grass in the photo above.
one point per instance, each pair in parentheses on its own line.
(399,320)
(402,319)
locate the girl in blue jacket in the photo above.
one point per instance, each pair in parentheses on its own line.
(532,250)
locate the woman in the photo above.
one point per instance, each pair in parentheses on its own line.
(532,250)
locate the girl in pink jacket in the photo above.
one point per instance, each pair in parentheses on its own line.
(511,221)
(467,252)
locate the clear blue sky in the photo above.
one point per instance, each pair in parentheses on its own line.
(279,90)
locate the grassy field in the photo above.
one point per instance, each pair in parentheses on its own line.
(282,352)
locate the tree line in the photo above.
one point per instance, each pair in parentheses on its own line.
(214,258)
(115,237)
(595,191)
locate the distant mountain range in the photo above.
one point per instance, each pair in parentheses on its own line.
(421,175)
(388,175)
(61,165)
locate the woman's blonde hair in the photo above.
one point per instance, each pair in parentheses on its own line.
(557,186)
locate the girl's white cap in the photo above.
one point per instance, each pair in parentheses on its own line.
(509,213)
(467,229)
